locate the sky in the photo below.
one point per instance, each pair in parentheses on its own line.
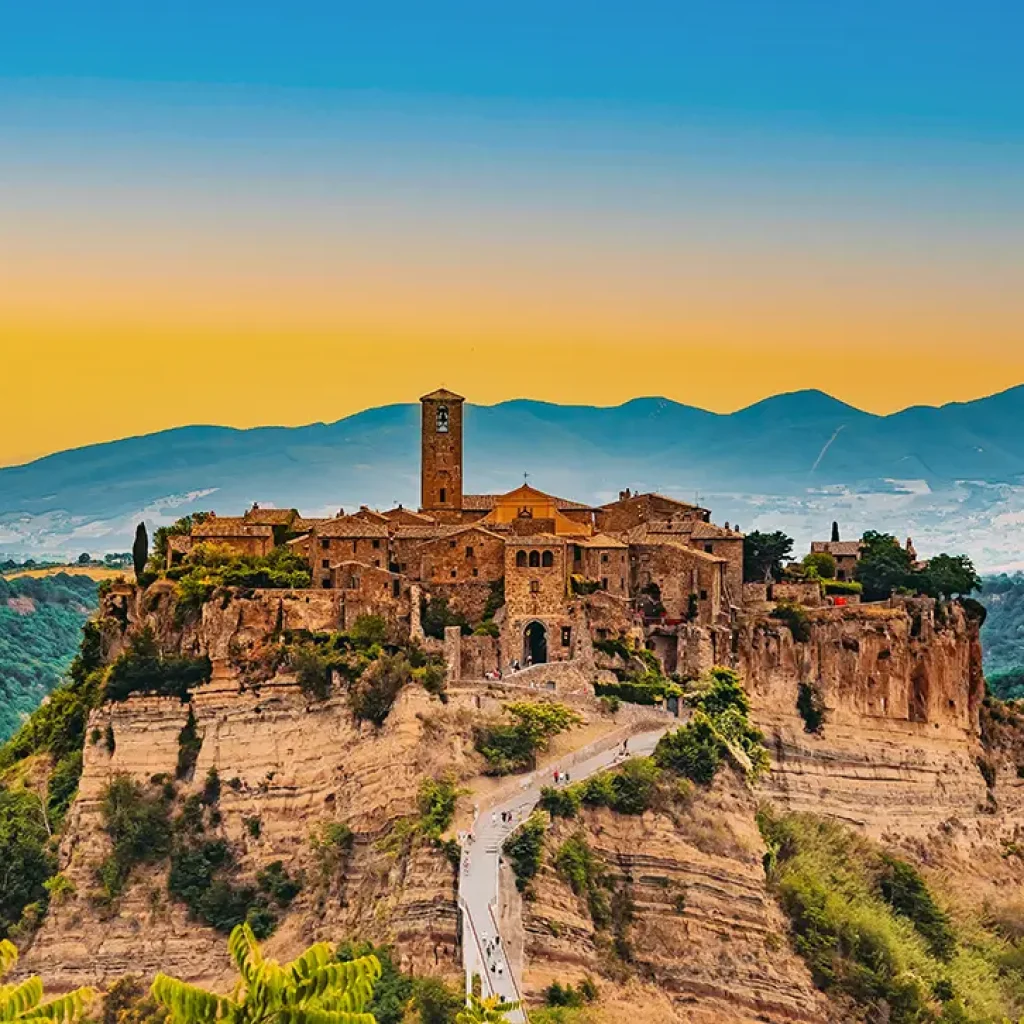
(259,213)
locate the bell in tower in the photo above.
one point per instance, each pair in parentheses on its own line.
(441,459)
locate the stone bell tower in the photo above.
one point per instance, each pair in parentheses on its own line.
(441,463)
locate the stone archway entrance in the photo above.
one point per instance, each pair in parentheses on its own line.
(535,644)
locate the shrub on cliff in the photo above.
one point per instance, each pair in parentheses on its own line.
(210,566)
(512,747)
(372,696)
(524,848)
(142,668)
(796,618)
(138,824)
(870,928)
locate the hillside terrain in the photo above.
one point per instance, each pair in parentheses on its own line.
(952,477)
(1003,634)
(852,859)
(40,628)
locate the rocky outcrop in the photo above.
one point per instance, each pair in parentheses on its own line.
(704,929)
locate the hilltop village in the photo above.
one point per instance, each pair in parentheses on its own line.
(524,558)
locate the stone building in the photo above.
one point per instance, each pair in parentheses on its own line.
(559,572)
(845,552)
(235,532)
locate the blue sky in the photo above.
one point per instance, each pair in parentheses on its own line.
(830,193)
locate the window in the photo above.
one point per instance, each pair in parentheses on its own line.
(548,560)
(451,544)
(709,548)
(376,543)
(443,495)
(396,588)
(703,595)
(469,551)
(326,584)
(352,583)
(577,552)
(534,559)
(534,586)
(325,542)
(355,546)
(376,563)
(476,572)
(454,573)
(604,582)
(622,583)
(325,563)
(442,422)
(566,635)
(520,559)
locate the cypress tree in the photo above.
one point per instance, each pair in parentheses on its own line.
(140,550)
(835,532)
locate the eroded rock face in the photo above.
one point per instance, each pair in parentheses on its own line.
(704,928)
(291,765)
(897,756)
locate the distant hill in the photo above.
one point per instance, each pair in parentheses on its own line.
(950,476)
(40,626)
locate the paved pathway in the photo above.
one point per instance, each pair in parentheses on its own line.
(482,949)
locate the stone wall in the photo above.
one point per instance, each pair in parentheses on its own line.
(469,556)
(680,571)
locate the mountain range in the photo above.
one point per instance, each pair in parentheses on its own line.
(951,476)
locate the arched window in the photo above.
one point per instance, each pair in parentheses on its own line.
(548,560)
(520,559)
(534,559)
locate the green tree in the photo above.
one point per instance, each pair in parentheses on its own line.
(884,566)
(835,532)
(821,563)
(486,1011)
(313,989)
(23,1001)
(949,575)
(84,558)
(140,551)
(763,554)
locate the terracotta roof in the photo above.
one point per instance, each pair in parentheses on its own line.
(231,526)
(836,547)
(485,502)
(428,532)
(350,526)
(458,531)
(600,540)
(402,512)
(707,531)
(370,515)
(270,516)
(660,497)
(302,524)
(443,395)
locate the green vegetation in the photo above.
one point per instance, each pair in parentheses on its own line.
(28,857)
(1002,634)
(23,1001)
(811,706)
(820,564)
(139,828)
(641,681)
(315,988)
(435,615)
(583,871)
(763,555)
(872,930)
(632,788)
(796,618)
(211,566)
(720,726)
(40,626)
(524,848)
(143,668)
(513,747)
(886,567)
(373,695)
(331,843)
(485,1011)
(397,995)
(140,551)
(568,996)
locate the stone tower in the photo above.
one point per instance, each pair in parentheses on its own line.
(441,464)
